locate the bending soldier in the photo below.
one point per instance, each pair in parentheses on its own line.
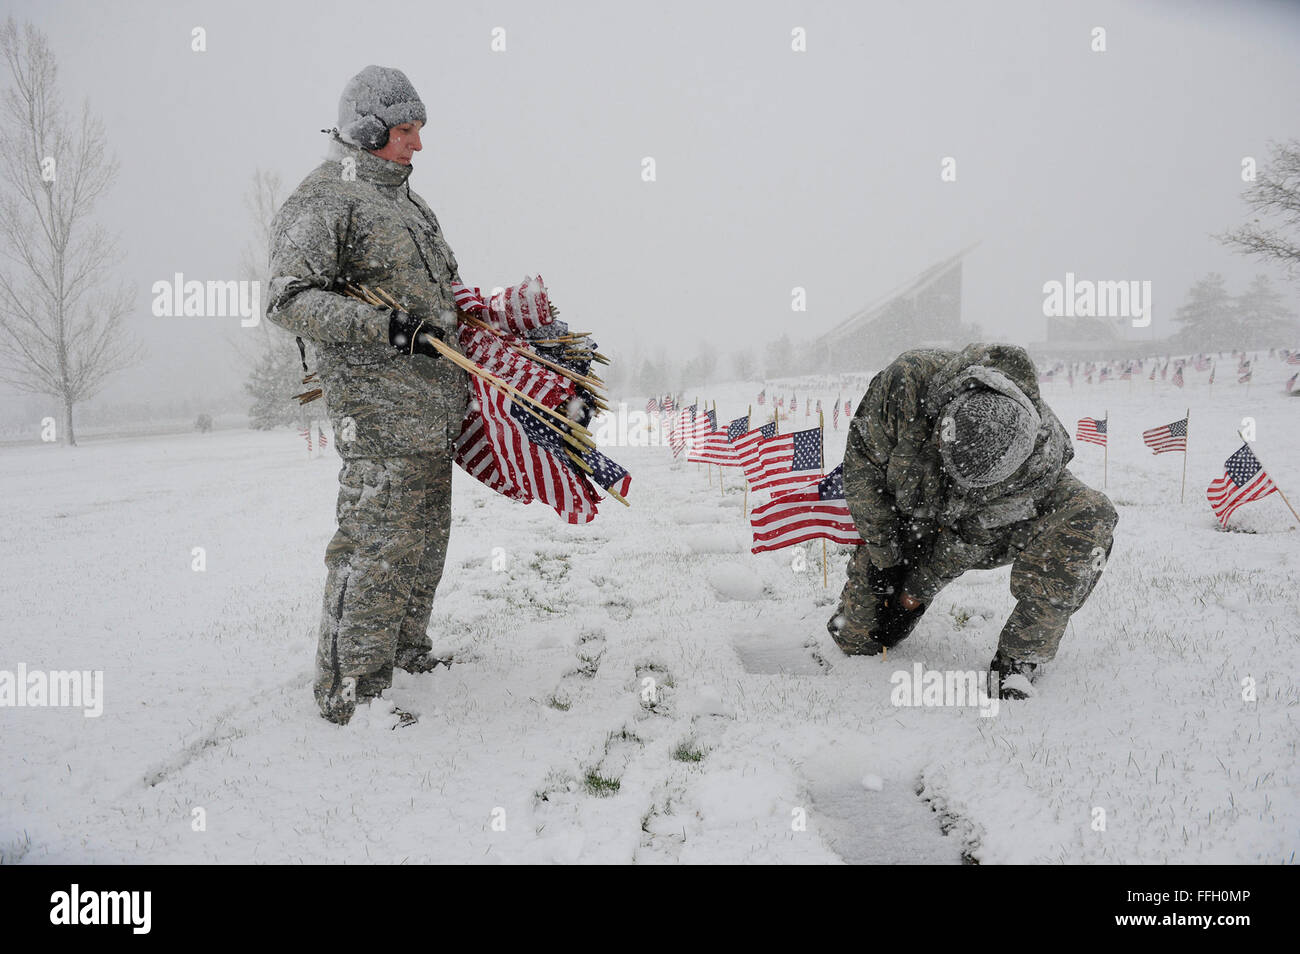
(955,463)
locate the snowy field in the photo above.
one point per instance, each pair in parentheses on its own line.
(754,741)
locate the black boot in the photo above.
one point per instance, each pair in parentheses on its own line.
(1003,667)
(416,661)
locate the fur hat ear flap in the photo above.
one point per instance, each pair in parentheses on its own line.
(368,132)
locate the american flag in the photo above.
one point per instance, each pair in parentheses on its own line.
(1214,367)
(324,441)
(706,424)
(606,472)
(667,404)
(1243,480)
(1164,370)
(1105,374)
(683,430)
(1243,373)
(719,447)
(517,456)
(847,408)
(1153,371)
(1293,358)
(1091,430)
(1291,382)
(306,432)
(1127,375)
(1178,375)
(835,415)
(794,403)
(748,444)
(1167,437)
(1202,362)
(520,308)
(787,462)
(652,407)
(817,511)
(762,397)
(490,352)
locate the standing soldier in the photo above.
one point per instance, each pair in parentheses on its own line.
(395,405)
(955,463)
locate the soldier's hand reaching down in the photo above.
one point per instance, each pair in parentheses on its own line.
(411,335)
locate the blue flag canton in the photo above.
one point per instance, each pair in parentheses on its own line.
(1101,426)
(737,428)
(807,450)
(1178,428)
(713,419)
(605,471)
(536,431)
(768,430)
(1242,466)
(831,487)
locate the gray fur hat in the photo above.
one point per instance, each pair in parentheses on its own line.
(374,101)
(992,435)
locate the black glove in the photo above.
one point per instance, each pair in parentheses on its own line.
(896,623)
(411,335)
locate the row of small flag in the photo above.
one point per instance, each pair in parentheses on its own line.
(306,433)
(1244,479)
(664,405)
(1107,372)
(806,503)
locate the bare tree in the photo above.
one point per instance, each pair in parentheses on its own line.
(61,328)
(1275,195)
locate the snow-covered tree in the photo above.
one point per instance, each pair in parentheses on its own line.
(62,331)
(1274,198)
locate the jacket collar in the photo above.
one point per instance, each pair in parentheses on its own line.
(369,167)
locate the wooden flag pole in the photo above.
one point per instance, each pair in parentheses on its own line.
(1105,452)
(744,511)
(1275,484)
(821,426)
(721,489)
(1187,436)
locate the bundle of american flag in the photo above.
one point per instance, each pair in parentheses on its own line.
(532,394)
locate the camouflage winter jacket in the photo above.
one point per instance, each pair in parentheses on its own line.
(894,480)
(369,229)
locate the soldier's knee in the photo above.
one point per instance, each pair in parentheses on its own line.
(1093,508)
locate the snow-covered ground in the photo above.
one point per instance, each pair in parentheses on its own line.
(643,689)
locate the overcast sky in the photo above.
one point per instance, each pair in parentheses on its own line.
(775,168)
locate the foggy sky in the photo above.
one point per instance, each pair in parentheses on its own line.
(775,169)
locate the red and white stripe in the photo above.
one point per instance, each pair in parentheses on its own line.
(494,448)
(1225,496)
(798,517)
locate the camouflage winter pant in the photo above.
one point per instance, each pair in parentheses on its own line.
(1056,559)
(384,564)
